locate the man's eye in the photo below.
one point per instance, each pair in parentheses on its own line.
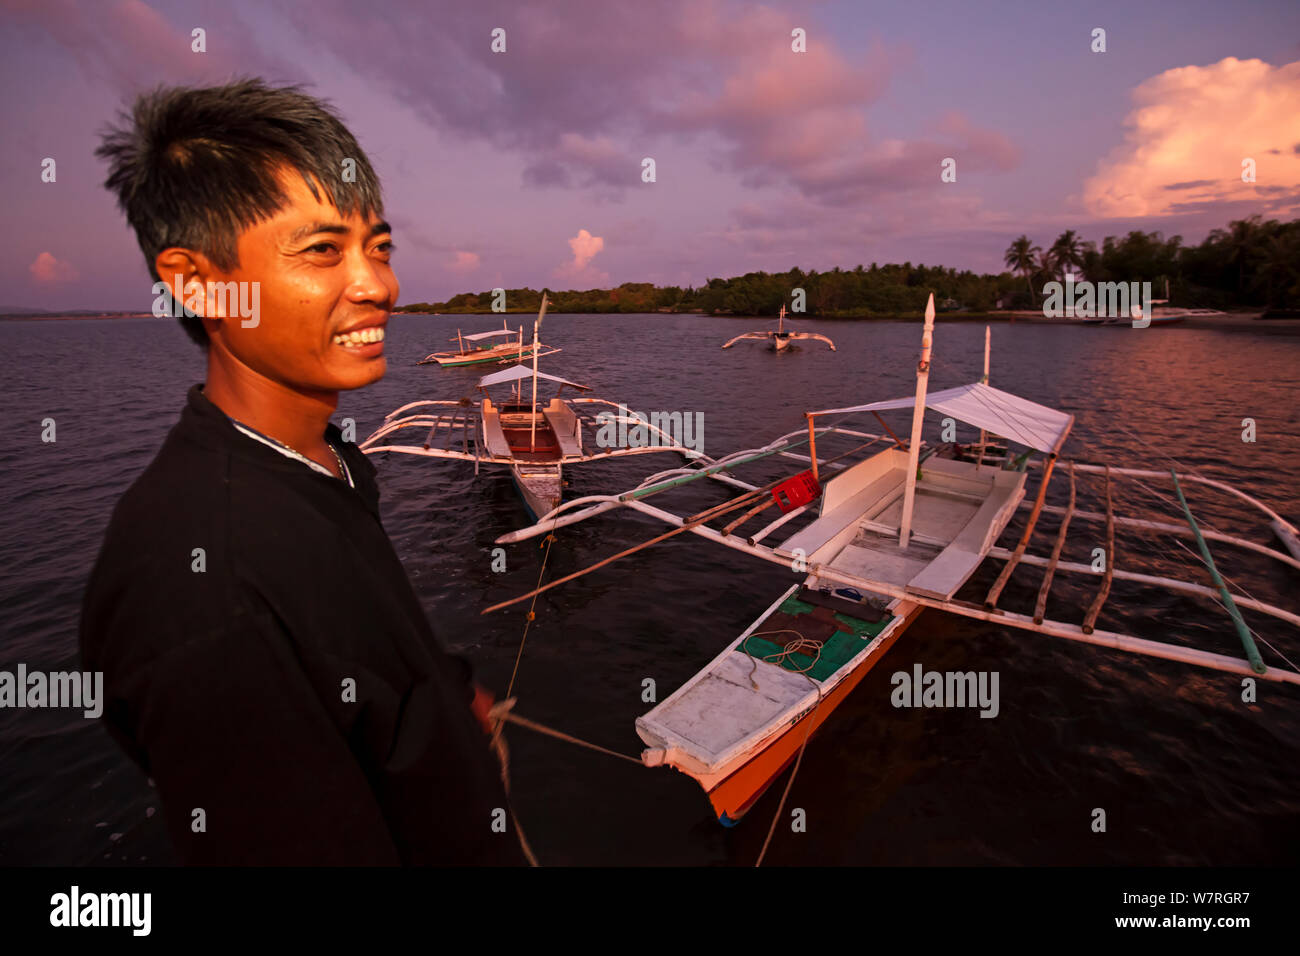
(321,247)
(386,247)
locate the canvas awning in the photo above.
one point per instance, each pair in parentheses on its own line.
(1018,419)
(516,372)
(487,335)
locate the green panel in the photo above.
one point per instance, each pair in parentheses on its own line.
(838,650)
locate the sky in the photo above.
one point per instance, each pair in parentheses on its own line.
(525,167)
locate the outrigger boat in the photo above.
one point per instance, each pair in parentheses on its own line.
(483,348)
(779,340)
(897,532)
(535,440)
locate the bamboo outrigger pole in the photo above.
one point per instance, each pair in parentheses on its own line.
(1248,642)
(537,326)
(918,416)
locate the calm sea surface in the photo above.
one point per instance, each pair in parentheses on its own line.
(1186,772)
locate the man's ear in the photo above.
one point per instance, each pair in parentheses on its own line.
(187,274)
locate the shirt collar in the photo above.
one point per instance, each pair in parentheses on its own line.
(203,422)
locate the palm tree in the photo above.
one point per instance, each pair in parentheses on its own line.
(1046,267)
(1241,245)
(1066,251)
(1019,257)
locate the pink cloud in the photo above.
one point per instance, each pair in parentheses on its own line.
(46,268)
(584,106)
(585,246)
(132,47)
(464,261)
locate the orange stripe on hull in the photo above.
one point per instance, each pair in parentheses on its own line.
(741,790)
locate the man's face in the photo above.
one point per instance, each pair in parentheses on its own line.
(326,290)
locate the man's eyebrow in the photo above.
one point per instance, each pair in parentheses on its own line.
(333,228)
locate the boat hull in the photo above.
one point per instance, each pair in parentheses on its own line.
(733,796)
(481,357)
(734,786)
(539,486)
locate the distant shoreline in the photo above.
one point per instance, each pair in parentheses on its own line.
(1246,318)
(62,316)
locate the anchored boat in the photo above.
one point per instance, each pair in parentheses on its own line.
(779,340)
(879,541)
(484,348)
(534,439)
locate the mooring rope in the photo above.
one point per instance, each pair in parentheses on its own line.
(802,645)
(500,711)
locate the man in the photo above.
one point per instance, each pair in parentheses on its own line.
(265,658)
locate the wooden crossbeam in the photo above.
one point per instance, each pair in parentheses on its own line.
(1041,606)
(690,523)
(991,600)
(432,431)
(897,441)
(452,424)
(1090,619)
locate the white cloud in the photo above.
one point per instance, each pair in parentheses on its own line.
(1188,134)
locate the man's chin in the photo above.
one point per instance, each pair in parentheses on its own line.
(367,373)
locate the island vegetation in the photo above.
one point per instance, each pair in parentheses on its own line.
(1252,264)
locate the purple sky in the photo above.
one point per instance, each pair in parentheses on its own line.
(524,168)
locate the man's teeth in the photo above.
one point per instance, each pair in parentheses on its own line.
(360,337)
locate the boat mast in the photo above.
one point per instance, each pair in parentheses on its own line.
(780,322)
(918,415)
(979,458)
(537,325)
(460,341)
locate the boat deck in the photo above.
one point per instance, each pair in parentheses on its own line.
(707,721)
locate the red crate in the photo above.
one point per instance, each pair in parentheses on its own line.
(796,491)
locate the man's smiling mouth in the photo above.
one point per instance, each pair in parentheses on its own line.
(360,337)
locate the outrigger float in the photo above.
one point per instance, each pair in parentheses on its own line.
(484,348)
(535,440)
(897,532)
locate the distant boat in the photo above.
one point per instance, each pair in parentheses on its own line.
(1165,316)
(1159,316)
(534,439)
(483,348)
(780,339)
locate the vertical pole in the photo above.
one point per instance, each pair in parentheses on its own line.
(918,415)
(537,325)
(812,444)
(979,458)
(460,341)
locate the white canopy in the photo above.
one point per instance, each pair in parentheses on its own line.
(516,372)
(994,410)
(487,335)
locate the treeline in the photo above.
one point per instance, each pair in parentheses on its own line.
(1251,264)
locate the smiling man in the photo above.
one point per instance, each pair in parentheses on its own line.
(266,660)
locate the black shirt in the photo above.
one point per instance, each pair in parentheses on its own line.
(238,596)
